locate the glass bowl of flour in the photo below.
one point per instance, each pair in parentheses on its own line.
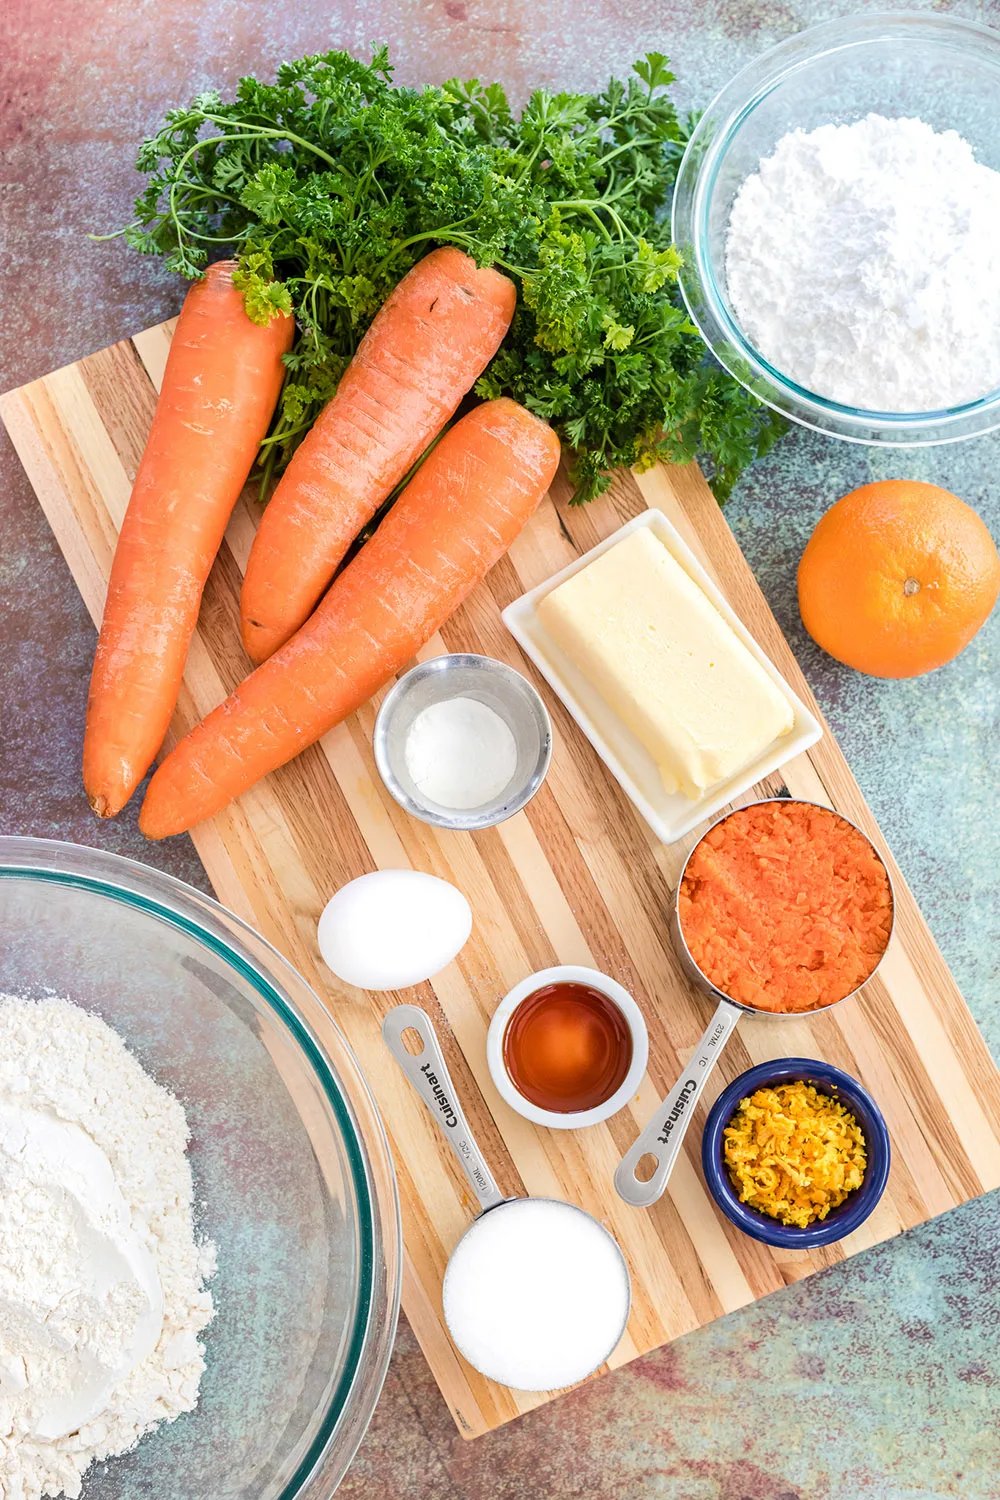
(207,1125)
(838,211)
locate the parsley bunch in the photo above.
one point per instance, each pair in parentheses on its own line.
(329,184)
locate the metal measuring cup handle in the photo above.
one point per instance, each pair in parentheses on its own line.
(428,1072)
(663,1137)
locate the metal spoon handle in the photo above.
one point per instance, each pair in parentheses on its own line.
(428,1072)
(663,1137)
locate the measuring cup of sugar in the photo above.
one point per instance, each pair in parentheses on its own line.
(462,741)
(536,1292)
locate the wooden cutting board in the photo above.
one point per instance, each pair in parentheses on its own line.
(576,878)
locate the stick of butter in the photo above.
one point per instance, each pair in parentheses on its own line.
(660,654)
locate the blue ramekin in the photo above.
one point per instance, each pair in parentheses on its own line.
(855,1208)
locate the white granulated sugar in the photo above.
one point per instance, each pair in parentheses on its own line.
(863,262)
(101,1281)
(536,1294)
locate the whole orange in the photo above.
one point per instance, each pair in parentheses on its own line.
(897,578)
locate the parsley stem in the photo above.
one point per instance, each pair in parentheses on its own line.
(633,145)
(264,132)
(588,208)
(99,239)
(282,434)
(447,232)
(219,239)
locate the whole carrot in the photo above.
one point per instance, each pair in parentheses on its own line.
(220,386)
(454,520)
(431,339)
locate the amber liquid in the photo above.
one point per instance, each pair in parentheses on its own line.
(567,1048)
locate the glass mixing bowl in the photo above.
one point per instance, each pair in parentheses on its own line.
(940,69)
(293,1177)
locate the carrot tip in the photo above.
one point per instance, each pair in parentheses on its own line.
(259,642)
(153,828)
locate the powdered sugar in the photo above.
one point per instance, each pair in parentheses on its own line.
(863,262)
(101,1282)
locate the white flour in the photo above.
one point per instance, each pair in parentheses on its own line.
(101,1282)
(863,261)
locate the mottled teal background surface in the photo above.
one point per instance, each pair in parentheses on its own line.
(877,1379)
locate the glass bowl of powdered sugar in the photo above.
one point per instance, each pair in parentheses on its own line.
(838,212)
(462,741)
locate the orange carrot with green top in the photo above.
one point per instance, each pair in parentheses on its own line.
(220,387)
(430,341)
(454,520)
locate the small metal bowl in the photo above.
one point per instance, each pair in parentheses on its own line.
(491,682)
(856,1207)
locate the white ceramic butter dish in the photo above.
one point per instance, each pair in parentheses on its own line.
(669,814)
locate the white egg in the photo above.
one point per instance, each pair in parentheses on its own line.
(393,928)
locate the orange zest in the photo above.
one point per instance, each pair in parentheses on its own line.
(794,1153)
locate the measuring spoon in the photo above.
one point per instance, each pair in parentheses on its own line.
(527,1269)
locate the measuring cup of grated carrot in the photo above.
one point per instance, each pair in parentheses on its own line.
(783,907)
